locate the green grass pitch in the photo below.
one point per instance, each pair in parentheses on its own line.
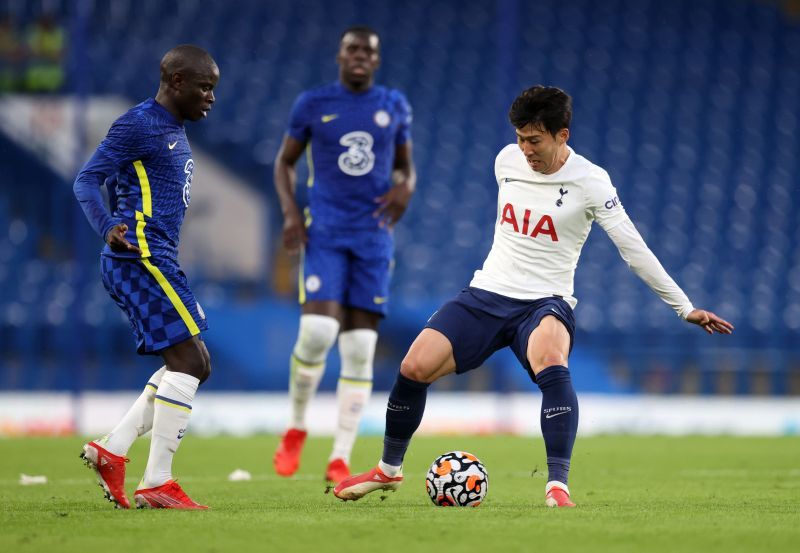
(637,494)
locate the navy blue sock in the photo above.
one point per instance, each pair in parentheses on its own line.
(403,415)
(559,419)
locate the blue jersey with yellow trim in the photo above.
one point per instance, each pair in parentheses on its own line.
(351,140)
(152,185)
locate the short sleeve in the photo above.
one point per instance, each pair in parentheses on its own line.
(503,165)
(127,141)
(405,116)
(300,119)
(603,203)
(497,168)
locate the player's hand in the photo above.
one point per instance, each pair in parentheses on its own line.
(294,232)
(117,242)
(392,205)
(709,322)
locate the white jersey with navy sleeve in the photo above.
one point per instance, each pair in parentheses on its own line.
(543,222)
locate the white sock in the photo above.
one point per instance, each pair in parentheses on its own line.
(172,408)
(357,350)
(390,470)
(136,422)
(314,340)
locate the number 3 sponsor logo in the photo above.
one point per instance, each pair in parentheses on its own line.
(359,158)
(187,188)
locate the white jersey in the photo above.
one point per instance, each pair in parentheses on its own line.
(543,222)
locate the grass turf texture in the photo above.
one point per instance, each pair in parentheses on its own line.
(633,494)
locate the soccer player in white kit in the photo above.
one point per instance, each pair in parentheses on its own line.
(548,197)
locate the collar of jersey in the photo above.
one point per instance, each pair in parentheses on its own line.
(164,111)
(559,176)
(341,88)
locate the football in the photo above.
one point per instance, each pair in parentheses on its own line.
(457,479)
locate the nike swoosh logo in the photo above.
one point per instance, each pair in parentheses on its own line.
(551,415)
(329,118)
(379,300)
(171,146)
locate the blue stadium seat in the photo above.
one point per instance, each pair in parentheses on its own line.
(690,106)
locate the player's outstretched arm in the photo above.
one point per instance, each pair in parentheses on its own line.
(393,204)
(709,321)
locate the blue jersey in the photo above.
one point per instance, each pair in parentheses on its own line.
(351,140)
(150,163)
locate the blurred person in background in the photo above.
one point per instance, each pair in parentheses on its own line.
(46,43)
(361,178)
(11,54)
(147,159)
(548,197)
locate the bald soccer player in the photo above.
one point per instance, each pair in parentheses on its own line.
(146,162)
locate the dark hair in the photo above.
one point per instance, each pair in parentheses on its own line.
(360,30)
(546,107)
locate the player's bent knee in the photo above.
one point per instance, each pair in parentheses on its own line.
(207,372)
(549,359)
(554,358)
(195,366)
(207,362)
(413,369)
(316,337)
(188,357)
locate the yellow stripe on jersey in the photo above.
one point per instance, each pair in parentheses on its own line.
(140,237)
(301,285)
(173,297)
(144,184)
(310,162)
(147,207)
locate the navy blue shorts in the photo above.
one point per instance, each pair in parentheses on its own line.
(155,295)
(478,323)
(351,268)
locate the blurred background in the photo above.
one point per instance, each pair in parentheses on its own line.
(691,105)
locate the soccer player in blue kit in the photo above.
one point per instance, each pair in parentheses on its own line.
(147,158)
(548,198)
(361,177)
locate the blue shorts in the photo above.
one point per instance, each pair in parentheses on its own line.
(478,323)
(155,295)
(351,268)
